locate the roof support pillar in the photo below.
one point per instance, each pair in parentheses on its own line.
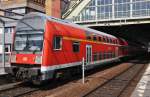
(113,9)
(53,8)
(3,41)
(131,8)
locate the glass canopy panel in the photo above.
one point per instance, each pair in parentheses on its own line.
(141,8)
(122,8)
(114,9)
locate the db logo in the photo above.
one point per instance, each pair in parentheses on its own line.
(25,59)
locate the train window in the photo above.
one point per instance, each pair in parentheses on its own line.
(116,42)
(100,56)
(104,39)
(105,55)
(88,37)
(95,57)
(57,43)
(109,54)
(76,46)
(111,41)
(94,38)
(113,54)
(99,39)
(107,39)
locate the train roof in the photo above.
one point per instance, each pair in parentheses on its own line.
(44,17)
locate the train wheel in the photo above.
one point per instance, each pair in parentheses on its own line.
(36,81)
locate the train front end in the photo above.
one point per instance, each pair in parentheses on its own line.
(26,56)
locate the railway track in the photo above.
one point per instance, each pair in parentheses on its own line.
(52,85)
(107,83)
(9,86)
(16,89)
(111,88)
(116,86)
(6,79)
(75,88)
(21,89)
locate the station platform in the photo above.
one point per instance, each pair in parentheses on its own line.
(2,71)
(143,87)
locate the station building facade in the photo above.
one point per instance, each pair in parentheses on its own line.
(16,6)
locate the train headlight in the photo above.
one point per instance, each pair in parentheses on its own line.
(38,59)
(13,58)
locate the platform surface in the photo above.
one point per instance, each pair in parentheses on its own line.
(2,71)
(143,87)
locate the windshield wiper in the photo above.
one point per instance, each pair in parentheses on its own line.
(27,46)
(36,49)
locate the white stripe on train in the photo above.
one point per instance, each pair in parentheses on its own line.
(60,66)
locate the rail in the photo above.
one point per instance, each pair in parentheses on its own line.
(116,86)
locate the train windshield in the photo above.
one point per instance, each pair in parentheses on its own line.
(29,34)
(28,42)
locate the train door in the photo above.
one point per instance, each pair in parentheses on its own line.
(88,54)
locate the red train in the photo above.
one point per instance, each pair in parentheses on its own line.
(45,47)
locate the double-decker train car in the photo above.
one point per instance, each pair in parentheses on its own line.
(45,47)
